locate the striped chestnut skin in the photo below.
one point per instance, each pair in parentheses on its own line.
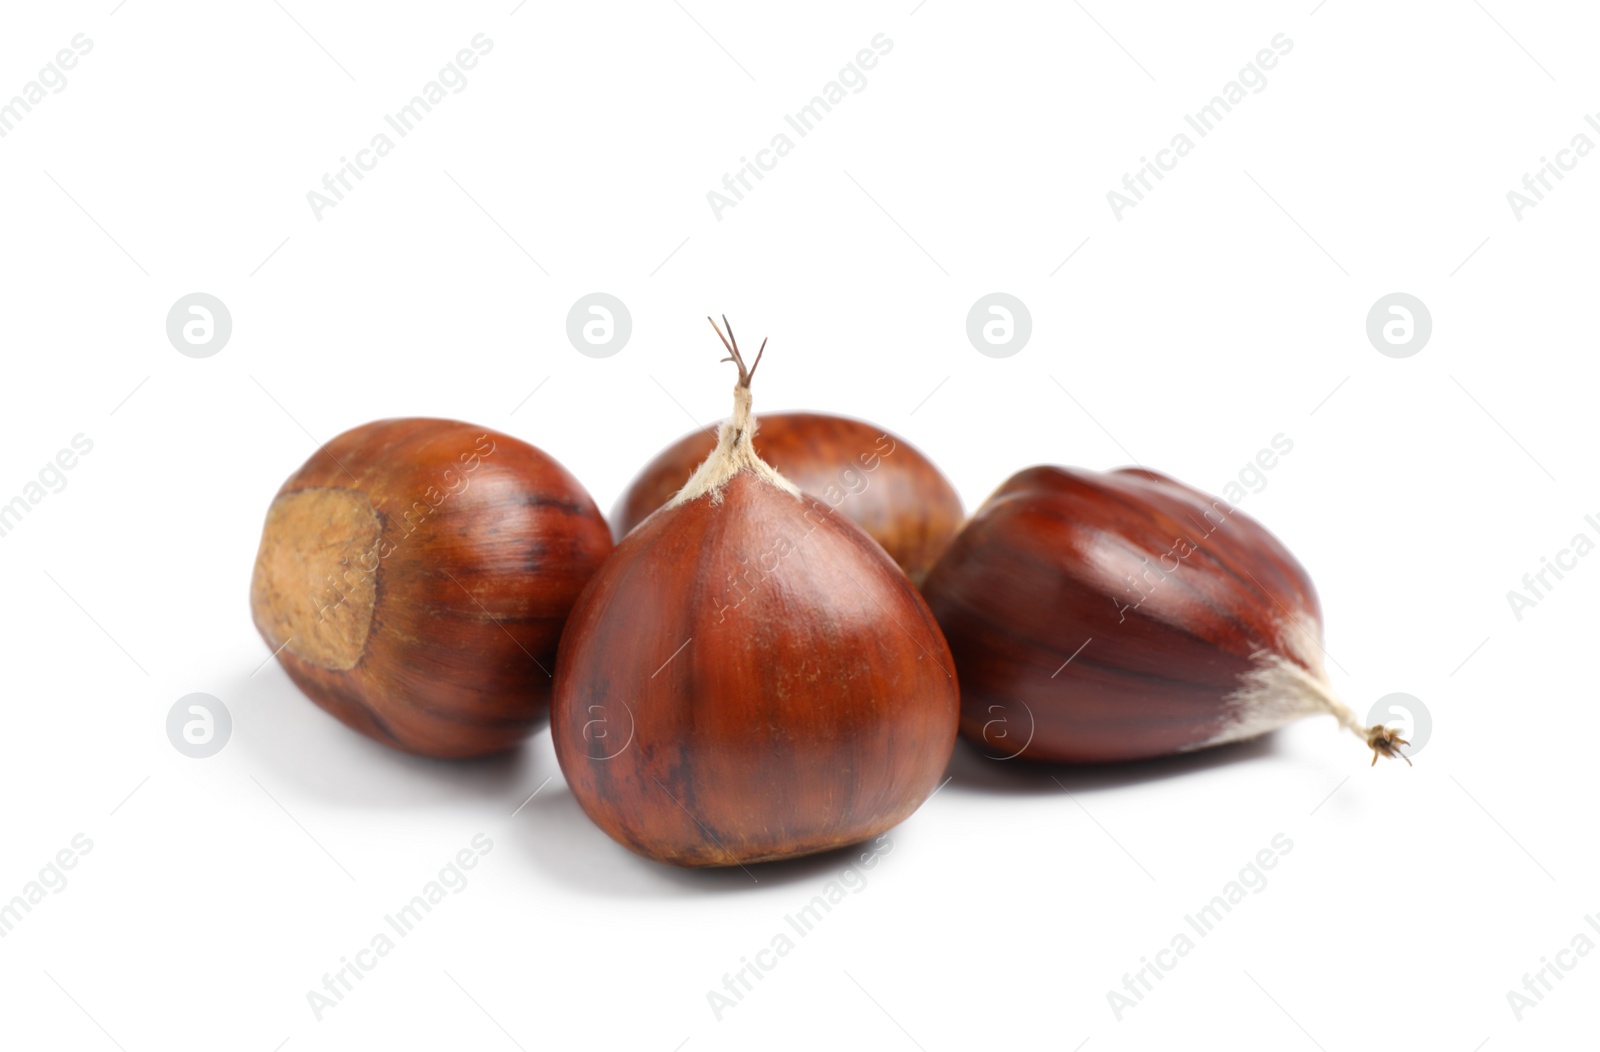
(1123,615)
(879,481)
(749,678)
(414,577)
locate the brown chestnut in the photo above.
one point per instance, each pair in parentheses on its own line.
(750,677)
(878,480)
(414,577)
(1123,615)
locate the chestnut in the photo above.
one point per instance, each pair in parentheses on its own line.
(414,577)
(877,479)
(750,676)
(1097,617)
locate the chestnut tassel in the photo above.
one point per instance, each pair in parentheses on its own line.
(1098,617)
(749,676)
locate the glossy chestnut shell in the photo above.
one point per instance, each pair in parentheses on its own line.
(1122,615)
(879,481)
(750,677)
(414,577)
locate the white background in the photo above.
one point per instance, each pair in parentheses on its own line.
(1226,308)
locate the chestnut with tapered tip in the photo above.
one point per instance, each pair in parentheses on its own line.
(1097,617)
(750,677)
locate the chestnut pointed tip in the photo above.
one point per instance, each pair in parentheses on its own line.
(1385,742)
